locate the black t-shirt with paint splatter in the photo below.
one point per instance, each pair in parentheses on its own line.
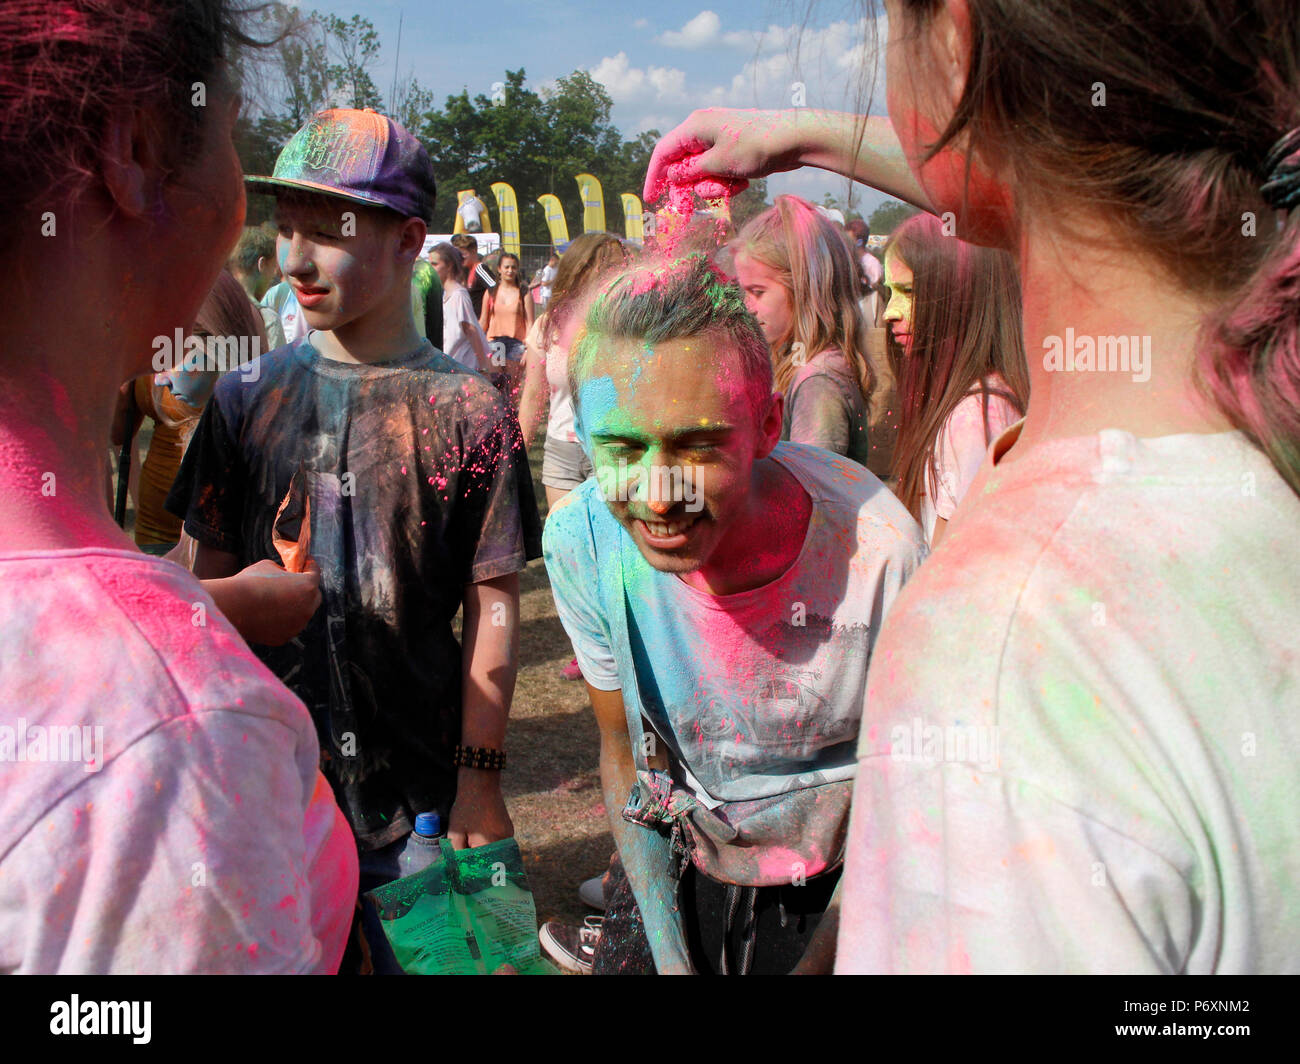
(419,485)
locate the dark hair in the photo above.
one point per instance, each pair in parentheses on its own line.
(450,254)
(255,242)
(227,311)
(1197,93)
(67,67)
(966,327)
(685,298)
(520,283)
(465,241)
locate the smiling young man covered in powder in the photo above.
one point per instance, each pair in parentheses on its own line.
(414,472)
(722,591)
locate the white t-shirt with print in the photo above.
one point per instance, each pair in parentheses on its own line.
(471,214)
(1082,743)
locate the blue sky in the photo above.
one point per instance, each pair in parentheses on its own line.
(658,63)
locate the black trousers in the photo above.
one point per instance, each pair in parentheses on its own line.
(729,930)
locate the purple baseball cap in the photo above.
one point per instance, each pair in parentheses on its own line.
(361,156)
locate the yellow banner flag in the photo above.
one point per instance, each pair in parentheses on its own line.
(509,211)
(633,218)
(593,204)
(555,219)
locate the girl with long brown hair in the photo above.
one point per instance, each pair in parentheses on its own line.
(800,282)
(506,317)
(507,308)
(955,344)
(1081,732)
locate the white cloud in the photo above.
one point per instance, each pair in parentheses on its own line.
(647,85)
(641,24)
(699,32)
(828,62)
(661,122)
(813,184)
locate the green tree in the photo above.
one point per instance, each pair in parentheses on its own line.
(888,216)
(354,47)
(410,104)
(750,203)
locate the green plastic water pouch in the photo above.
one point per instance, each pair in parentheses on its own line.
(468,913)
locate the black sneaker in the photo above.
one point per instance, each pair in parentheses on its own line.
(572,948)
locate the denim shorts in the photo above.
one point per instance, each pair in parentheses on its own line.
(512,350)
(565,464)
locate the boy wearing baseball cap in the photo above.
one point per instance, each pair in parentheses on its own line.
(408,485)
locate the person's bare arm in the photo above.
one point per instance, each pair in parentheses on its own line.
(535,399)
(210,564)
(266,604)
(731,146)
(490,663)
(645,854)
(480,348)
(126,415)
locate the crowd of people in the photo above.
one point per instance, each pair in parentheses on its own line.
(937,614)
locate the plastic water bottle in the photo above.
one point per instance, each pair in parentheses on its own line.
(422,845)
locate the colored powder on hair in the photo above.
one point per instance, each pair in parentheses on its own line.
(672,222)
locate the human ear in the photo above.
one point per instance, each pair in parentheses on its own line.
(410,239)
(951,42)
(129,162)
(769,430)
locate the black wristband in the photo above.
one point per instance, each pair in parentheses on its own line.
(480,757)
